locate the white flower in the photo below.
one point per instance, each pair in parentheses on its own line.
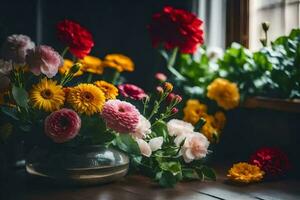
(178,127)
(195,147)
(144,147)
(143,128)
(156,143)
(214,53)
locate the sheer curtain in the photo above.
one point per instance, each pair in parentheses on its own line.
(283,16)
(213,13)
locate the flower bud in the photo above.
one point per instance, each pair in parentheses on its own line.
(75,68)
(178,98)
(174,110)
(168,86)
(265,26)
(159,90)
(161,77)
(170,98)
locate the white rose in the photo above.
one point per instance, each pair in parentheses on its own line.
(144,147)
(195,147)
(178,127)
(156,143)
(143,128)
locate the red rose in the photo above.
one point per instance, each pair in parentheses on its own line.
(62,125)
(272,161)
(78,39)
(132,91)
(176,28)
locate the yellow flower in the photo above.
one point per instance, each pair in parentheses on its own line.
(47,95)
(86,98)
(67,66)
(168,86)
(225,93)
(119,62)
(92,65)
(245,173)
(109,90)
(193,111)
(209,129)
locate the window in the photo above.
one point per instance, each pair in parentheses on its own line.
(283,15)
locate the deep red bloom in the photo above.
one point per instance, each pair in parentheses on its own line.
(132,91)
(62,125)
(78,39)
(176,28)
(272,161)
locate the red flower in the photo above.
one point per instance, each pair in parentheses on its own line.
(176,28)
(132,91)
(272,161)
(62,125)
(78,39)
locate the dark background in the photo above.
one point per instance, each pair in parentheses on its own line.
(118,26)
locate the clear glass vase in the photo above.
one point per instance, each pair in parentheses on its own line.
(82,165)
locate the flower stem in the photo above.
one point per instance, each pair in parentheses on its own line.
(171,63)
(64,52)
(115,77)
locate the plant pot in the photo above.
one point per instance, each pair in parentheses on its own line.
(84,165)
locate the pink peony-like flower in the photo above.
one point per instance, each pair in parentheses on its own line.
(161,77)
(132,91)
(62,125)
(142,129)
(178,127)
(44,59)
(144,147)
(16,47)
(195,147)
(120,116)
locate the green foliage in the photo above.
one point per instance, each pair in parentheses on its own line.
(127,144)
(20,96)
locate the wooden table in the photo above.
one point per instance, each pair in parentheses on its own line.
(21,186)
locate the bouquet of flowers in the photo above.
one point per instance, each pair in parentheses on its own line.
(75,102)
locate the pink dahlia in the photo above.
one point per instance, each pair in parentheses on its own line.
(132,91)
(44,59)
(16,47)
(120,116)
(62,125)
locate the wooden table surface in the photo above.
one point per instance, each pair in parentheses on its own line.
(20,186)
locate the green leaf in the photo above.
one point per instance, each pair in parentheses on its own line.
(190,174)
(126,143)
(160,129)
(167,179)
(11,112)
(173,167)
(208,173)
(21,96)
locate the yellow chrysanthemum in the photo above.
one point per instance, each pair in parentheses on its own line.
(67,66)
(92,65)
(86,98)
(193,111)
(220,120)
(213,126)
(47,95)
(119,62)
(245,173)
(225,93)
(109,90)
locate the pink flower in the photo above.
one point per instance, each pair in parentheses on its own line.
(174,110)
(16,47)
(120,116)
(144,147)
(178,127)
(161,77)
(156,143)
(132,91)
(44,59)
(62,125)
(195,147)
(171,98)
(5,69)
